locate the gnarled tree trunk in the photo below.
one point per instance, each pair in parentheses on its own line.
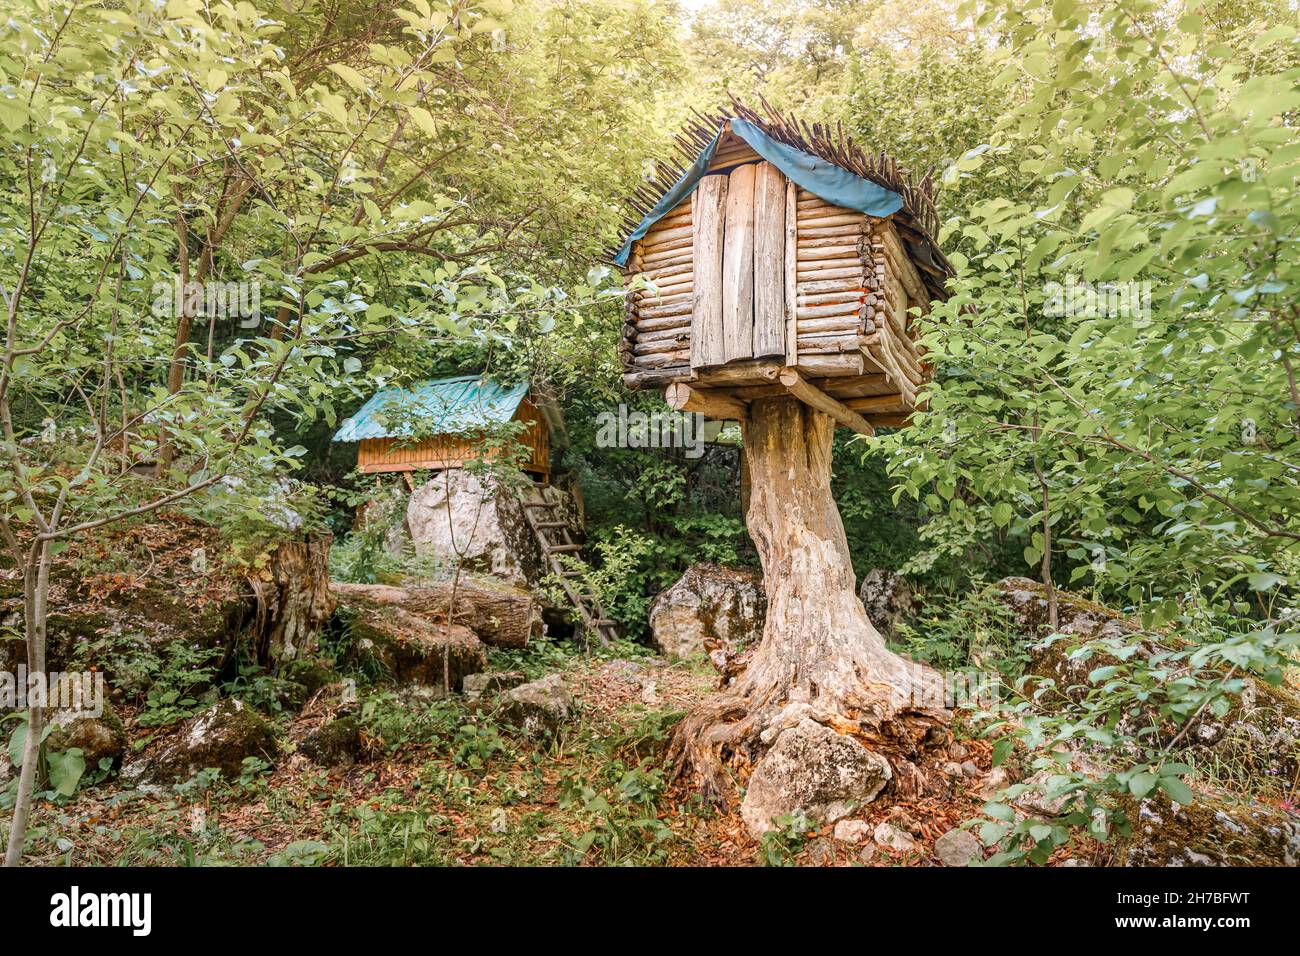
(820,656)
(293,600)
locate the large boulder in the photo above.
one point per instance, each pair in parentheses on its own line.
(887,598)
(813,770)
(180,597)
(222,737)
(458,516)
(125,633)
(710,609)
(1215,830)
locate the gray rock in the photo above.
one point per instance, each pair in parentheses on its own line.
(90,725)
(336,743)
(540,707)
(812,769)
(820,852)
(887,598)
(852,831)
(461,517)
(969,769)
(891,837)
(476,686)
(997,779)
(221,737)
(867,854)
(710,609)
(957,848)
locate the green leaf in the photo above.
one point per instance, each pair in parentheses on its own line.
(1178,791)
(17,740)
(349,76)
(1141,784)
(1265,580)
(66,769)
(1000,811)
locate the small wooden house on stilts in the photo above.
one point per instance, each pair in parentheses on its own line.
(782,247)
(446,423)
(774,281)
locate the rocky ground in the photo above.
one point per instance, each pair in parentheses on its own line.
(405,738)
(565,772)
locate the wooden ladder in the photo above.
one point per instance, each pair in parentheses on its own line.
(555,539)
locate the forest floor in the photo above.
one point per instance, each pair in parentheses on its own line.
(443,782)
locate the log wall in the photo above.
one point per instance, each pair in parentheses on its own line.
(378,455)
(753,268)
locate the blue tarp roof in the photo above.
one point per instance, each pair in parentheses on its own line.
(830,182)
(465,403)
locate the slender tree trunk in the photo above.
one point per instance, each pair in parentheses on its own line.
(36,590)
(1045,569)
(820,656)
(176,368)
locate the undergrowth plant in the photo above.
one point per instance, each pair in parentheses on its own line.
(1122,734)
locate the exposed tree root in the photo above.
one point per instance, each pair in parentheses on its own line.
(820,656)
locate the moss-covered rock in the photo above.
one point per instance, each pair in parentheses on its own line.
(1259,735)
(1215,830)
(91,725)
(336,743)
(395,645)
(222,737)
(126,640)
(539,708)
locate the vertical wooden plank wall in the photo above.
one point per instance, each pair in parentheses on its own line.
(753,267)
(708,214)
(738,266)
(769,262)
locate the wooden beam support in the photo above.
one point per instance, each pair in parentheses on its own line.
(740,373)
(683,398)
(816,398)
(881,404)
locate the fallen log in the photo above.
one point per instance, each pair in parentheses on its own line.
(501,615)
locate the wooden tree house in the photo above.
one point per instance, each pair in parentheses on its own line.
(779,261)
(442,424)
(780,280)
